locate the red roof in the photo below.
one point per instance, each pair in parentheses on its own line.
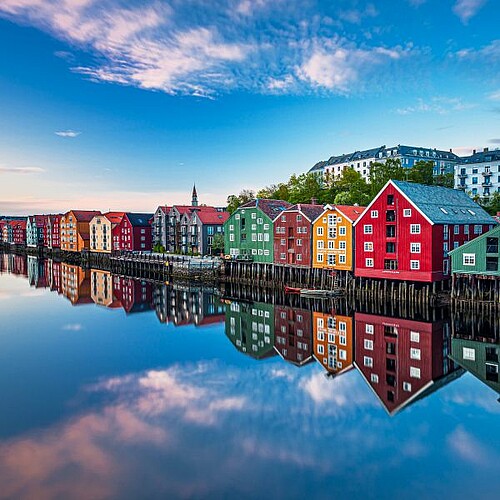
(85,215)
(114,217)
(213,217)
(351,212)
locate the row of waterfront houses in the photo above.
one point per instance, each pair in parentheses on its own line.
(178,229)
(477,174)
(406,233)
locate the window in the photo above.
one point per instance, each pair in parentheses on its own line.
(374,214)
(331,259)
(299,218)
(390,199)
(282,256)
(367,361)
(390,247)
(368,229)
(478,229)
(266,226)
(320,245)
(391,264)
(414,247)
(466,229)
(414,336)
(319,231)
(321,349)
(414,372)
(283,218)
(469,354)
(299,257)
(456,229)
(369,262)
(299,242)
(415,228)
(368,344)
(414,265)
(406,386)
(342,259)
(254,215)
(342,231)
(368,246)
(390,231)
(407,212)
(469,259)
(319,257)
(414,353)
(390,215)
(283,241)
(369,329)
(342,245)
(231,237)
(374,378)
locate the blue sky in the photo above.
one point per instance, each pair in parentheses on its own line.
(123,105)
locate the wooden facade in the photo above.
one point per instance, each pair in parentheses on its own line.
(333,237)
(75,230)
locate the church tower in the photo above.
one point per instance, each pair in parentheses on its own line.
(194,199)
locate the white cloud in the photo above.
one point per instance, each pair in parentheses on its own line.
(469,449)
(440,105)
(72,327)
(494,96)
(21,170)
(355,16)
(68,133)
(466,9)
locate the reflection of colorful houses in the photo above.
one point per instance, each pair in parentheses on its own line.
(293,334)
(36,272)
(54,276)
(134,295)
(333,342)
(403,360)
(250,327)
(479,358)
(101,283)
(75,284)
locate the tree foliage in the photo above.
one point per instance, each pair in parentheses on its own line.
(233,201)
(218,244)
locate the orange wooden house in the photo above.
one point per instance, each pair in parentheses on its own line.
(75,230)
(333,342)
(333,237)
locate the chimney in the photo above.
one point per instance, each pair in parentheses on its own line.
(314,201)
(451,150)
(485,150)
(473,151)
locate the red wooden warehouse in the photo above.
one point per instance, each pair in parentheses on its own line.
(408,229)
(293,234)
(135,232)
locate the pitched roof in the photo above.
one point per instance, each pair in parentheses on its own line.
(272,208)
(139,219)
(212,217)
(352,212)
(114,217)
(312,212)
(481,157)
(444,205)
(85,215)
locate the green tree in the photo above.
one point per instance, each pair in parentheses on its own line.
(492,206)
(218,244)
(445,180)
(233,201)
(351,189)
(380,173)
(422,172)
(305,187)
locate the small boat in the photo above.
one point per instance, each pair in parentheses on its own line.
(320,293)
(291,289)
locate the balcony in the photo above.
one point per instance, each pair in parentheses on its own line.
(486,173)
(486,183)
(462,176)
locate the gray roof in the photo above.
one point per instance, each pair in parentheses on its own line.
(481,157)
(272,208)
(139,219)
(444,205)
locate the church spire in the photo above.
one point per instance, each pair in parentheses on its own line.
(194,199)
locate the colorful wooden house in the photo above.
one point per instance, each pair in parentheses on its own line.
(75,230)
(293,234)
(8,232)
(3,223)
(160,225)
(408,229)
(293,339)
(333,342)
(53,231)
(250,327)
(134,232)
(35,230)
(333,237)
(204,225)
(105,233)
(403,360)
(479,256)
(18,232)
(249,231)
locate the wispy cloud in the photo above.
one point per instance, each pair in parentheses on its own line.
(494,96)
(68,133)
(490,53)
(466,9)
(160,47)
(439,105)
(72,327)
(21,170)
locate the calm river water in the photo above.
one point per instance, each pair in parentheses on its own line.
(115,388)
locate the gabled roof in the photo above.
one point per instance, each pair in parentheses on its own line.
(467,244)
(442,205)
(85,215)
(272,208)
(138,220)
(352,212)
(312,212)
(114,217)
(212,217)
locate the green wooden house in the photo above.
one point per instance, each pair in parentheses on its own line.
(479,358)
(479,256)
(250,327)
(248,233)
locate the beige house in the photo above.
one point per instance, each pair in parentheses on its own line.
(101,231)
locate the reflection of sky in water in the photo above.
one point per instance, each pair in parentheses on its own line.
(96,404)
